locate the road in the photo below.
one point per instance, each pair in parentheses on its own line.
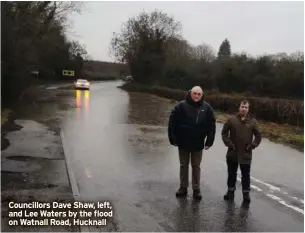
(117,150)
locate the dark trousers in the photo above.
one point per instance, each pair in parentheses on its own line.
(232,175)
(185,157)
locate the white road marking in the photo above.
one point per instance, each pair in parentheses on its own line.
(272,188)
(252,186)
(284,203)
(266,184)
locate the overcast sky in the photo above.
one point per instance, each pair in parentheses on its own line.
(253,27)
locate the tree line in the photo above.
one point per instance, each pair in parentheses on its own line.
(101,70)
(152,46)
(33,38)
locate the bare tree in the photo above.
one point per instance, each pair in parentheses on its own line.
(142,43)
(127,41)
(203,52)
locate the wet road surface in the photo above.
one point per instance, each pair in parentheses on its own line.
(118,150)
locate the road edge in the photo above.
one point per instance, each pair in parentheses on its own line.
(72,180)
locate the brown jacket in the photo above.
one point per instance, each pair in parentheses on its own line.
(240,143)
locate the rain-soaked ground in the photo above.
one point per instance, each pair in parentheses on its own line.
(117,150)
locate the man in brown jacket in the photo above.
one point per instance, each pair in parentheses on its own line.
(240,144)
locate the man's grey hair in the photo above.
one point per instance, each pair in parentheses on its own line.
(197,88)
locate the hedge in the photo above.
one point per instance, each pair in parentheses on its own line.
(282,111)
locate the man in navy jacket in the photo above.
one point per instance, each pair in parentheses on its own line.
(191,128)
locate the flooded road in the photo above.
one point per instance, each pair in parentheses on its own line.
(118,151)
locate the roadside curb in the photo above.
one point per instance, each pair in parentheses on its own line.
(72,180)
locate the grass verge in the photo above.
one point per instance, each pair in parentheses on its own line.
(279,133)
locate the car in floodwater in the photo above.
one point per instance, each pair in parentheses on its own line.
(128,79)
(82,84)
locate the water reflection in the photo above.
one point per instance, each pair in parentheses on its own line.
(82,99)
(78,98)
(187,219)
(236,221)
(148,138)
(181,215)
(195,220)
(148,109)
(87,100)
(244,216)
(229,223)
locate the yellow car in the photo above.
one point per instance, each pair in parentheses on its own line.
(82,84)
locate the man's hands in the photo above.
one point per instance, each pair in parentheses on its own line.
(173,142)
(249,147)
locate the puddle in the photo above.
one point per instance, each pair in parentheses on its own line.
(26,158)
(16,180)
(33,174)
(19,166)
(34,140)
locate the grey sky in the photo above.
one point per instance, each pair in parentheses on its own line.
(253,27)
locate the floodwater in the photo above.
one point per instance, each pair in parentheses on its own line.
(118,150)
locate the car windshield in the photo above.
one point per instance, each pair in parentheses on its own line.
(82,81)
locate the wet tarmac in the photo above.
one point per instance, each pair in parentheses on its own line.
(118,150)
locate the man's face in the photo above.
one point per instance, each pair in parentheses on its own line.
(196,95)
(244,109)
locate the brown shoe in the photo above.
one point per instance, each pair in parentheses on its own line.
(229,196)
(182,192)
(197,194)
